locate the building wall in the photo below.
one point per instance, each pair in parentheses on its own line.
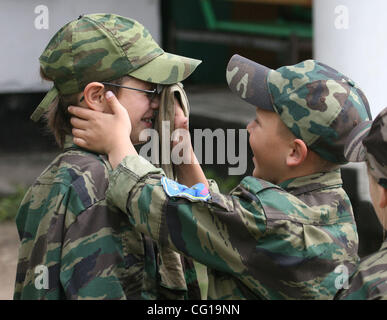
(26,26)
(350,35)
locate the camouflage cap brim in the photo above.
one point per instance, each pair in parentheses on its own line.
(166,69)
(354,150)
(248,80)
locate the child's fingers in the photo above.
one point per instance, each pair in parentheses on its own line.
(80,142)
(79,133)
(80,112)
(79,123)
(115,105)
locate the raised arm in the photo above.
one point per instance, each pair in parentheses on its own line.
(189,173)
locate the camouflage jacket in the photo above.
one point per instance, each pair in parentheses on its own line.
(89,251)
(369,282)
(260,241)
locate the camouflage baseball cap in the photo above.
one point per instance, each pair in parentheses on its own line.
(317,103)
(368,142)
(103,47)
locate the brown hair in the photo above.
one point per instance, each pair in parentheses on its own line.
(58,118)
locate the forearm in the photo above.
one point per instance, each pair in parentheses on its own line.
(191,173)
(188,174)
(119,153)
(175,221)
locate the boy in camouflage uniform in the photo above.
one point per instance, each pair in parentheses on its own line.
(90,251)
(281,233)
(369,143)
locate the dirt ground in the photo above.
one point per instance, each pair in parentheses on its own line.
(15,169)
(9,243)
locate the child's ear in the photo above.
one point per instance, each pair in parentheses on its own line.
(94,96)
(297,154)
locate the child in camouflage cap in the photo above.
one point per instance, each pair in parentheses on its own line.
(73,246)
(282,232)
(369,143)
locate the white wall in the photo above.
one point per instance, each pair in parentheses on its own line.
(22,43)
(351,36)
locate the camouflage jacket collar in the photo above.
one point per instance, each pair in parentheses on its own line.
(70,145)
(320,180)
(299,185)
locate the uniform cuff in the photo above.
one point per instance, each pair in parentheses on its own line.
(127,174)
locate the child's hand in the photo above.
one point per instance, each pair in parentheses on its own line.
(102,132)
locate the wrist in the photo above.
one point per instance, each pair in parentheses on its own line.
(186,169)
(118,154)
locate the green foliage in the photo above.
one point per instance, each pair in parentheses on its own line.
(225,183)
(10,204)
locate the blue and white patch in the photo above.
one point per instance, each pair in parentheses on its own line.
(198,192)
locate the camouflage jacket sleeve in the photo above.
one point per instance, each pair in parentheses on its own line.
(193,227)
(256,244)
(369,282)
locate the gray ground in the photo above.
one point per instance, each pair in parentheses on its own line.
(15,169)
(9,242)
